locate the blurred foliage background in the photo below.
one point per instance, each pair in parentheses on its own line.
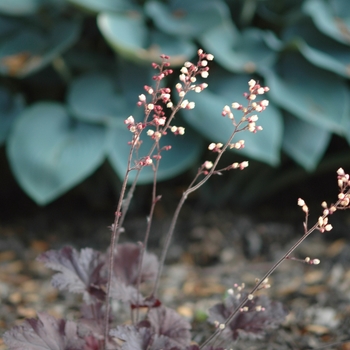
(71,72)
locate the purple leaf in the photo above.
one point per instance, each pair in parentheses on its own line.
(126,263)
(125,293)
(252,323)
(134,338)
(167,322)
(78,272)
(43,333)
(164,329)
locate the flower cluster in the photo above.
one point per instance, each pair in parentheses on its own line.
(157,98)
(344,187)
(255,89)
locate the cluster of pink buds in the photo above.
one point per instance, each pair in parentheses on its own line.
(163,72)
(237,145)
(189,73)
(177,130)
(256,89)
(240,166)
(132,126)
(323,224)
(145,161)
(344,187)
(215,147)
(310,261)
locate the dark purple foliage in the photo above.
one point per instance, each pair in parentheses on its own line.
(78,272)
(164,329)
(252,323)
(126,264)
(46,332)
(126,267)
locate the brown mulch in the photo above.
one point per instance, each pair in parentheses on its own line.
(210,253)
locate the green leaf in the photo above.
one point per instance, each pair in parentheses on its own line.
(327,21)
(93,98)
(138,43)
(187,18)
(248,52)
(97,6)
(319,49)
(304,142)
(30,50)
(183,154)
(317,96)
(206,118)
(19,7)
(10,107)
(49,154)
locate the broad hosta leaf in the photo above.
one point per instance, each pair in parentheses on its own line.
(10,107)
(206,118)
(310,93)
(44,333)
(247,52)
(93,98)
(30,50)
(49,153)
(304,142)
(106,5)
(331,20)
(22,7)
(187,19)
(140,44)
(184,153)
(320,49)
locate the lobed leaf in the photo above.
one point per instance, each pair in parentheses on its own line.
(250,324)
(78,272)
(46,332)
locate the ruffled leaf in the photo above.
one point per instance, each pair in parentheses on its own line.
(46,332)
(78,272)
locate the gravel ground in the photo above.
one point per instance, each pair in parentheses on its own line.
(210,253)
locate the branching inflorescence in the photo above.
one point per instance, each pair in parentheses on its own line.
(120,272)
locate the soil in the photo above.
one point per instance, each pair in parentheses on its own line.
(211,251)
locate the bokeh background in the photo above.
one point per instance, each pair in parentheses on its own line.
(71,71)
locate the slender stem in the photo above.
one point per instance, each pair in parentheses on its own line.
(148,230)
(192,187)
(266,276)
(114,237)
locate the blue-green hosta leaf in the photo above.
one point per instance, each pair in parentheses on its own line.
(30,50)
(19,7)
(315,95)
(187,18)
(97,6)
(328,21)
(131,80)
(304,142)
(49,153)
(206,118)
(247,52)
(10,107)
(93,98)
(129,36)
(320,49)
(183,154)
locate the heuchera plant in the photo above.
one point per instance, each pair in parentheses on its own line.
(122,271)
